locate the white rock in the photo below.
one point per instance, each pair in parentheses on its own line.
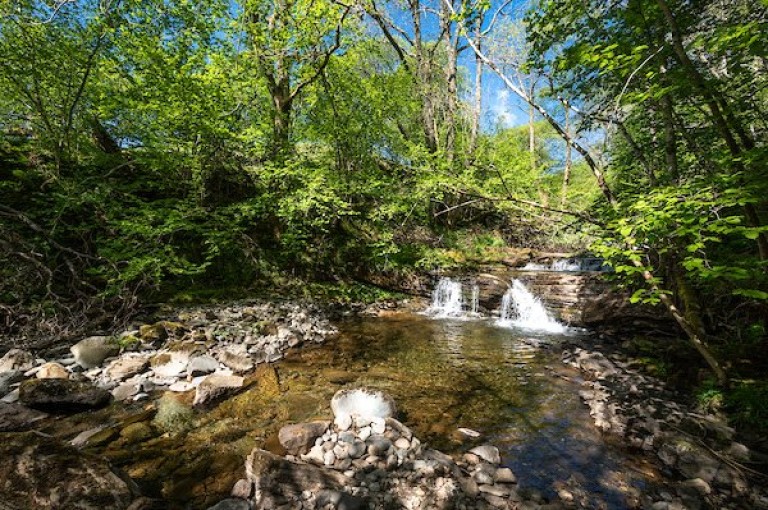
(181,386)
(92,351)
(343,422)
(362,402)
(173,368)
(402,443)
(364,433)
(378,425)
(469,432)
(316,454)
(329,458)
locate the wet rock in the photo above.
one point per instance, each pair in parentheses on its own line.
(160,331)
(136,432)
(55,476)
(126,367)
(9,378)
(275,476)
(504,475)
(488,453)
(125,391)
(17,359)
(202,365)
(215,386)
(17,418)
(242,489)
(92,351)
(231,504)
(62,395)
(299,438)
(52,371)
(238,362)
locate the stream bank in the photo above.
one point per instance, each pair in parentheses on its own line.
(451,379)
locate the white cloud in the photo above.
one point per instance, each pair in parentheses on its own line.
(502,110)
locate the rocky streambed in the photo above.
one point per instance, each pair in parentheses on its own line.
(232,408)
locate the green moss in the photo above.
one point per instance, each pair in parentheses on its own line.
(173,416)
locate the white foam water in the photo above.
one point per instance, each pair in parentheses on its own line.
(520,308)
(447,299)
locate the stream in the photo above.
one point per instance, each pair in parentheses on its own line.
(459,380)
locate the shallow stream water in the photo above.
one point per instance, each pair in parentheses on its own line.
(444,374)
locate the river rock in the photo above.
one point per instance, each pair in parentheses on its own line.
(276,477)
(8,378)
(202,365)
(92,351)
(41,473)
(488,453)
(231,504)
(126,367)
(52,371)
(17,359)
(173,368)
(239,363)
(504,475)
(16,418)
(62,395)
(299,438)
(214,386)
(373,404)
(125,391)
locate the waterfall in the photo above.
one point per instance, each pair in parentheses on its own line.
(569,265)
(447,299)
(475,299)
(522,309)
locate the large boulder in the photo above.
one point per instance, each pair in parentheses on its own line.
(41,473)
(92,351)
(299,438)
(62,395)
(9,378)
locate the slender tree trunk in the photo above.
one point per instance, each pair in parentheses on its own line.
(568,162)
(694,331)
(650,169)
(531,127)
(714,102)
(451,50)
(478,105)
(423,80)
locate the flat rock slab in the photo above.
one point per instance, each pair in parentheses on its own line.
(300,437)
(277,477)
(41,473)
(16,417)
(215,386)
(62,395)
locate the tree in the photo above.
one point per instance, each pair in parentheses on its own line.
(292,42)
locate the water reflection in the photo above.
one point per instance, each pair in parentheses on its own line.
(507,385)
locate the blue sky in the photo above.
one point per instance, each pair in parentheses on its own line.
(500,106)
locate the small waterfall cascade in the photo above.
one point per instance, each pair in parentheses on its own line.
(447,299)
(475,299)
(520,308)
(569,265)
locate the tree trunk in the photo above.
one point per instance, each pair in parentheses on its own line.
(714,101)
(451,49)
(423,80)
(478,105)
(568,162)
(693,330)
